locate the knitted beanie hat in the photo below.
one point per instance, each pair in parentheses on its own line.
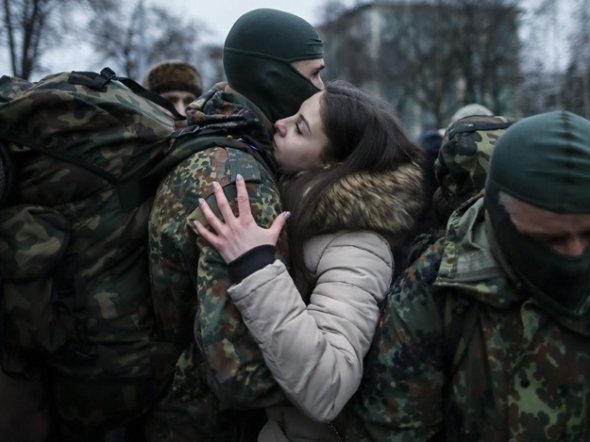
(173,75)
(469,110)
(544,161)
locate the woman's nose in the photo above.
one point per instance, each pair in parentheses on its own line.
(280,127)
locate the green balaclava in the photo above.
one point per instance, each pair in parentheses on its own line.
(257,57)
(543,160)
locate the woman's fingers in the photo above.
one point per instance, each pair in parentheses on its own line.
(222,203)
(278,224)
(205,233)
(239,234)
(244,210)
(211,218)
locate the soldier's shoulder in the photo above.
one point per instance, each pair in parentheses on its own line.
(424,267)
(223,164)
(415,286)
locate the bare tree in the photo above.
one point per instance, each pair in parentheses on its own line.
(576,88)
(346,53)
(119,38)
(556,59)
(413,58)
(330,10)
(32,26)
(487,51)
(427,58)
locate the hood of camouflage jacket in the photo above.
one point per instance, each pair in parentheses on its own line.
(461,166)
(223,107)
(388,202)
(469,266)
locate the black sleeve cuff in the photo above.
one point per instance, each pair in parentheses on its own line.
(250,262)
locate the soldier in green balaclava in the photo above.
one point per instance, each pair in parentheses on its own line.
(485,336)
(259,56)
(544,162)
(220,384)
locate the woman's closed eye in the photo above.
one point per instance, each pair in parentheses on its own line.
(298,129)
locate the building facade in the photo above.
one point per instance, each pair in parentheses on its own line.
(425,59)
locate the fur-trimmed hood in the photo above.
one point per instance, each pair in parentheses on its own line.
(389,202)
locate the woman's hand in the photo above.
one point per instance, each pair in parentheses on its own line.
(236,235)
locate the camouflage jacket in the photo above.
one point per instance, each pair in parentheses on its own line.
(220,366)
(462,354)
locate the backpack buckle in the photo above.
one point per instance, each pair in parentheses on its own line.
(108,74)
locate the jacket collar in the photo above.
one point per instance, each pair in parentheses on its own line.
(469,266)
(388,202)
(241,118)
(468,263)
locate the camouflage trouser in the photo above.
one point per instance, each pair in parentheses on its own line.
(24,414)
(37,404)
(190,412)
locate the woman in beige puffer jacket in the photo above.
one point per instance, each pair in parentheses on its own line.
(355,187)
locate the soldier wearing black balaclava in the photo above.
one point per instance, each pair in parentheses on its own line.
(218,372)
(545,162)
(485,336)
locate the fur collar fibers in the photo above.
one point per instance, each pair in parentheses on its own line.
(389,202)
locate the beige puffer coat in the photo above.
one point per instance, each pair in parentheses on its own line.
(315,351)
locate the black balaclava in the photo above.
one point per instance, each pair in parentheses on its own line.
(257,57)
(543,160)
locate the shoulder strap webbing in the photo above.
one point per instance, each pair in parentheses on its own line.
(99,82)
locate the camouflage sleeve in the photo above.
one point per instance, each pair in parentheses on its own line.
(237,372)
(400,397)
(195,278)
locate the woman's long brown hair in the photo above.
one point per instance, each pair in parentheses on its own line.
(362,137)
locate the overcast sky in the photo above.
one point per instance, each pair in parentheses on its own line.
(220,15)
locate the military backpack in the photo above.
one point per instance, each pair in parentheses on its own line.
(82,156)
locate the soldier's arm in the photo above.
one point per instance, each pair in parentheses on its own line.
(401,395)
(236,369)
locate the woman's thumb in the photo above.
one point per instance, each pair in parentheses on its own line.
(278,224)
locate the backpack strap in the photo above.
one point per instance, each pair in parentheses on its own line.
(99,82)
(185,143)
(7,173)
(195,138)
(131,193)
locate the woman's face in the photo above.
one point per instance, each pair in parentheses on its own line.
(299,140)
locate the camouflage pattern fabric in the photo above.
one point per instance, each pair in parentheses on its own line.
(179,416)
(463,159)
(220,367)
(25,415)
(76,306)
(7,173)
(463,354)
(11,86)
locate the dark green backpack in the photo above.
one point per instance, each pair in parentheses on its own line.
(88,151)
